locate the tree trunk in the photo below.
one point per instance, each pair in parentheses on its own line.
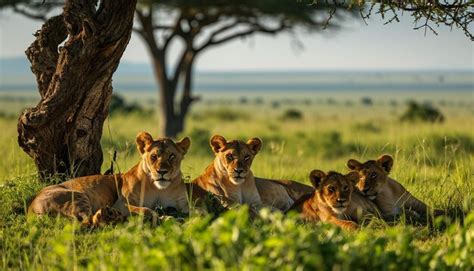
(172,120)
(172,117)
(62,133)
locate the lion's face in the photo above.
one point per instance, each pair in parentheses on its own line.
(373,174)
(334,188)
(235,157)
(161,158)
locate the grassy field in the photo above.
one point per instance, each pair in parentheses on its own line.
(433,161)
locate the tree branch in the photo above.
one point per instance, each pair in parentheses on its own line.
(27,14)
(147,33)
(255,27)
(457,13)
(185,60)
(224,28)
(175,30)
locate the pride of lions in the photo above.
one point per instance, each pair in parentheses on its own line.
(345,200)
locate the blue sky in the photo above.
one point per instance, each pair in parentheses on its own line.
(357,47)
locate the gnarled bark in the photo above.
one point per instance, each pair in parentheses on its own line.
(62,133)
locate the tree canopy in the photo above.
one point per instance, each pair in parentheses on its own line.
(427,14)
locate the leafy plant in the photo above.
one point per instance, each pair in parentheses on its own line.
(422,112)
(292,114)
(118,104)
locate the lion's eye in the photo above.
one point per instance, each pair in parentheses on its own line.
(172,156)
(153,157)
(346,188)
(373,175)
(331,189)
(229,157)
(247,157)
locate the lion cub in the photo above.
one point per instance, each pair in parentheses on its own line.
(335,200)
(229,176)
(389,195)
(155,180)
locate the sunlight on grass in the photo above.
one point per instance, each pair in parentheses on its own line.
(433,161)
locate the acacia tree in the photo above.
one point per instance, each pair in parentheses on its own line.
(62,133)
(201,25)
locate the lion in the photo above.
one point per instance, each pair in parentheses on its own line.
(229,177)
(335,200)
(100,199)
(389,195)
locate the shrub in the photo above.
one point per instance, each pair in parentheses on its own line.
(421,112)
(367,101)
(119,105)
(224,114)
(243,100)
(292,114)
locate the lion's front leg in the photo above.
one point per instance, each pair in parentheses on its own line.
(344,224)
(254,201)
(127,208)
(107,215)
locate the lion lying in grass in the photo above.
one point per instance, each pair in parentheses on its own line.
(335,200)
(229,177)
(389,195)
(155,181)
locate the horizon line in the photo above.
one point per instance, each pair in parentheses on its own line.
(289,70)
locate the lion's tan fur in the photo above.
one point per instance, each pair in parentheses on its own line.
(390,196)
(135,191)
(219,178)
(331,187)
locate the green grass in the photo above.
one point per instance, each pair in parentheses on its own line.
(434,161)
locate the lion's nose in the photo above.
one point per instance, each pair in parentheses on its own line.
(238,170)
(162,171)
(341,200)
(365,190)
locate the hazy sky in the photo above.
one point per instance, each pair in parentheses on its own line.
(356,47)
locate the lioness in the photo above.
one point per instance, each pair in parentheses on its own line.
(155,180)
(229,176)
(389,195)
(335,200)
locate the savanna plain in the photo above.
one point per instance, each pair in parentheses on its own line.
(434,161)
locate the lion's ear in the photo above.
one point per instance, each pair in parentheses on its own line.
(143,140)
(184,144)
(255,144)
(353,164)
(386,162)
(316,177)
(217,143)
(353,177)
